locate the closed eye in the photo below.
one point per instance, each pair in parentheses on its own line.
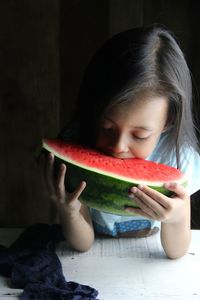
(140,138)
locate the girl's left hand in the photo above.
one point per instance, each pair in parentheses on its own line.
(157,206)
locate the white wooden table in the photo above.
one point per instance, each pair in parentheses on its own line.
(128,269)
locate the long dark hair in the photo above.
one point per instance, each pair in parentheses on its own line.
(131,62)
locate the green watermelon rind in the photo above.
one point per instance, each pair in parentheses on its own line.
(103,192)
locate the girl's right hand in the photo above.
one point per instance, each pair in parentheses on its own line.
(64,201)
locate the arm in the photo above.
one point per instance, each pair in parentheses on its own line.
(77,228)
(176,235)
(75,217)
(173,212)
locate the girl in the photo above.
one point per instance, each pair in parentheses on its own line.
(135,101)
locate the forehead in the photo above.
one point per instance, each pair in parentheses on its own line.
(141,110)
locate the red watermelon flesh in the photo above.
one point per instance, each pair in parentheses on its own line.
(131,169)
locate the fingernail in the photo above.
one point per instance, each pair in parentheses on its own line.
(170,184)
(133,190)
(50,156)
(140,186)
(131,195)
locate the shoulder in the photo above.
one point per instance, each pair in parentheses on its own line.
(190,166)
(189,162)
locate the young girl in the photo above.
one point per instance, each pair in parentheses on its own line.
(135,101)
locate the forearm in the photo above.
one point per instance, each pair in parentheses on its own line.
(78,229)
(175,238)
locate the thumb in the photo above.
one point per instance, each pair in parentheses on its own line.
(177,188)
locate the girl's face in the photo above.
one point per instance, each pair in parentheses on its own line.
(132,129)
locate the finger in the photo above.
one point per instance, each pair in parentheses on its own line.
(178,189)
(49,164)
(138,211)
(49,173)
(79,190)
(61,181)
(149,207)
(151,196)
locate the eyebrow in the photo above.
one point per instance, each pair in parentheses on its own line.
(146,128)
(143,128)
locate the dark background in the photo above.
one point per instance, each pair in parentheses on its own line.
(45,46)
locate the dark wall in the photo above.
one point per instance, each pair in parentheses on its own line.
(45,46)
(194,56)
(29,103)
(84,26)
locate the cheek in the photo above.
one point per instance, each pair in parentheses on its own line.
(141,153)
(143,150)
(100,141)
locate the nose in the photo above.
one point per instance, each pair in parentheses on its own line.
(119,145)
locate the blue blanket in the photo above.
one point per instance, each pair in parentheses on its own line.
(32,264)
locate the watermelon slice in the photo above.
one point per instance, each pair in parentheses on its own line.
(108,178)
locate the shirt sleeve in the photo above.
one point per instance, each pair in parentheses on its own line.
(190,162)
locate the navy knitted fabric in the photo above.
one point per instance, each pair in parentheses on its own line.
(32,264)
